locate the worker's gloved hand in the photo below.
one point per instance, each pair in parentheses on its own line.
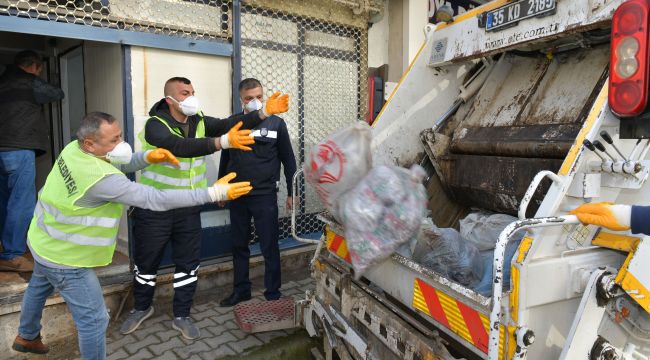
(607,215)
(160,156)
(224,190)
(237,139)
(276,104)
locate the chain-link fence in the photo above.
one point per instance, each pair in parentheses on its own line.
(323,66)
(197,19)
(316,51)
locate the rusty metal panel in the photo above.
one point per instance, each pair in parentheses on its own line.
(493,182)
(523,120)
(535,91)
(541,141)
(506,91)
(567,85)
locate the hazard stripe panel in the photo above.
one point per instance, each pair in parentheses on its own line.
(337,245)
(456,316)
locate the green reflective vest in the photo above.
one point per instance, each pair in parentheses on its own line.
(65,233)
(190,175)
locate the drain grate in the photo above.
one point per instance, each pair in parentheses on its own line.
(265,315)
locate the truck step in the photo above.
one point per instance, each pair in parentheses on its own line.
(254,317)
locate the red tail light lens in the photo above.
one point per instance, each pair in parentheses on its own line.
(628,71)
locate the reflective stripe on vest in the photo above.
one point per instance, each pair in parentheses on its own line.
(189,175)
(78,239)
(106,222)
(67,234)
(179,183)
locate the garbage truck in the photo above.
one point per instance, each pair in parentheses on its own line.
(527,108)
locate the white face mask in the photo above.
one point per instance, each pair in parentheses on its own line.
(189,106)
(121,154)
(253,105)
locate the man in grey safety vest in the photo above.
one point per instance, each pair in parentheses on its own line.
(76,221)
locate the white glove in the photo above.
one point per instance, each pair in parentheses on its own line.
(218,192)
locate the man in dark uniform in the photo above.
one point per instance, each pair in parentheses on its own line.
(262,168)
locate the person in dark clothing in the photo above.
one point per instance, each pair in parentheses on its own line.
(261,167)
(615,217)
(23,136)
(176,124)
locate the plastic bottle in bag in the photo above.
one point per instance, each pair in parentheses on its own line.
(381,213)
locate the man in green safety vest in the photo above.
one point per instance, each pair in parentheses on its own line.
(177,124)
(76,221)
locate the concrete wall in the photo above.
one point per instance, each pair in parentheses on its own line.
(103,74)
(396,38)
(103,77)
(378,40)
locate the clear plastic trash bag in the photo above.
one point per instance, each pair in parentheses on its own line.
(381,213)
(483,229)
(338,163)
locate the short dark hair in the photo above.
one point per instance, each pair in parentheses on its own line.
(91,122)
(27,58)
(180,79)
(249,83)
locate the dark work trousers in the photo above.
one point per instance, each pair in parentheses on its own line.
(264,211)
(152,231)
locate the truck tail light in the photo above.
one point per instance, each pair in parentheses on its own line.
(629,65)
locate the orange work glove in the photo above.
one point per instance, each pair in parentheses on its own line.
(276,104)
(224,190)
(237,139)
(160,156)
(607,215)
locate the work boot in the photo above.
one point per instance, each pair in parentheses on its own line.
(135,318)
(18,264)
(186,327)
(35,346)
(234,299)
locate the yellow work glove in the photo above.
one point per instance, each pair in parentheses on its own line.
(223,190)
(276,104)
(607,215)
(160,156)
(237,139)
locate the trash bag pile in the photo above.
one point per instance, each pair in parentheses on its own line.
(383,210)
(447,253)
(466,256)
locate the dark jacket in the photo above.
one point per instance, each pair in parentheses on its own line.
(262,165)
(22,125)
(157,134)
(640,220)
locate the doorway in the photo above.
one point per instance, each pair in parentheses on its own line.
(73,106)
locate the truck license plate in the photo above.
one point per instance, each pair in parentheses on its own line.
(512,13)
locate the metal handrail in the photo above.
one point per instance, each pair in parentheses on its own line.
(497,274)
(296,199)
(530,192)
